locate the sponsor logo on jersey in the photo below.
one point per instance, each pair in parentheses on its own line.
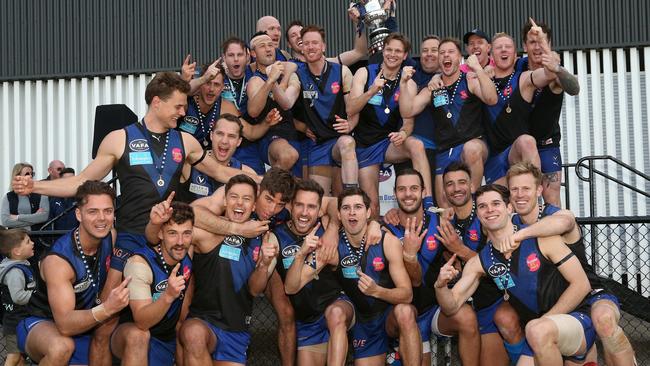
(532,262)
(378,264)
(349,261)
(139,145)
(177,155)
(290,251)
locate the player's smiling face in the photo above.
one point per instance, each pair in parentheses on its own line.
(313,47)
(240,202)
(96,215)
(458,187)
(211,91)
(449,58)
(225,139)
(503,52)
(492,211)
(408,192)
(176,239)
(524,192)
(477,45)
(304,211)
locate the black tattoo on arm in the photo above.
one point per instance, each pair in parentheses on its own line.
(568,81)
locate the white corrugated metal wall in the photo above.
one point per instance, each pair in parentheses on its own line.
(44,120)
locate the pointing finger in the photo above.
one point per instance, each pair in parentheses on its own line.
(176,268)
(170,198)
(313,231)
(187,59)
(451,260)
(125,282)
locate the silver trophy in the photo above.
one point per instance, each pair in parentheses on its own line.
(375,20)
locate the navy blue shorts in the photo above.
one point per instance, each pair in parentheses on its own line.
(312,333)
(249,155)
(497,166)
(125,245)
(370,338)
(160,352)
(588,330)
(551,159)
(446,157)
(603,295)
(428,144)
(373,154)
(81,341)
(231,346)
(485,318)
(321,154)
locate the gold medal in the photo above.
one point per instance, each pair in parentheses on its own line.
(449,115)
(508,109)
(387,110)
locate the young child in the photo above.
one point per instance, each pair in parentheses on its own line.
(16,286)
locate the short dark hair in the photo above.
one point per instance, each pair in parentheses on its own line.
(231,118)
(430,36)
(354,191)
(182,213)
(313,28)
(164,84)
(278,180)
(455,167)
(408,171)
(453,40)
(235,40)
(93,188)
(292,24)
(242,179)
(67,170)
(395,36)
(10,239)
(310,185)
(545,28)
(501,190)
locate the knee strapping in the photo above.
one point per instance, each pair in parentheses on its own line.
(617,342)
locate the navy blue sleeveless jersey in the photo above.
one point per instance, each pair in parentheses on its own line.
(198,124)
(138,175)
(532,293)
(14,313)
(469,230)
(374,264)
(321,99)
(503,128)
(578,248)
(458,116)
(312,300)
(374,123)
(86,295)
(221,294)
(430,259)
(234,91)
(165,329)
(202,185)
(285,128)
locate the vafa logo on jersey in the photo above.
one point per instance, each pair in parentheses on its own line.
(139,145)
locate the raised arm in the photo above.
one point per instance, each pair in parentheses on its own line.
(451,300)
(208,75)
(146,312)
(258,90)
(265,264)
(412,102)
(108,154)
(410,249)
(480,83)
(300,274)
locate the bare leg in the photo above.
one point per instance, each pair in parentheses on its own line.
(282,154)
(286,319)
(47,346)
(464,324)
(369,183)
(475,153)
(552,182)
(401,322)
(339,316)
(524,149)
(344,152)
(198,341)
(617,348)
(131,344)
(323,176)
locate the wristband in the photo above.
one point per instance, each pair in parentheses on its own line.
(99,311)
(409,257)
